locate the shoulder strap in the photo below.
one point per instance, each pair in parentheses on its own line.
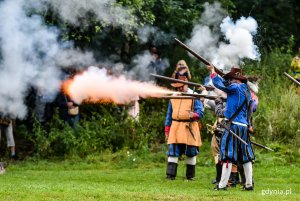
(239,108)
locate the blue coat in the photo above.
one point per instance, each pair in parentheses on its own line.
(236,94)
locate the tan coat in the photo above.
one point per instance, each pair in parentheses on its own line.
(179,131)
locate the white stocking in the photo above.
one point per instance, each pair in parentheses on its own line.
(226,171)
(191,160)
(248,173)
(172,159)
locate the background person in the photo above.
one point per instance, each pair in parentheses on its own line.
(295,66)
(182,69)
(157,64)
(6,127)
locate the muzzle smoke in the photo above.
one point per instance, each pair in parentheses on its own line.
(95,85)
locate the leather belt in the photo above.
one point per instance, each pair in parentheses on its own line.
(183,120)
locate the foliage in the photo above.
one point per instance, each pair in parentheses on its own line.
(106,127)
(277,115)
(177,18)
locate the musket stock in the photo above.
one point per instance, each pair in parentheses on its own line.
(198,56)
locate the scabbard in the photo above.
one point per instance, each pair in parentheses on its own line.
(262,146)
(191,130)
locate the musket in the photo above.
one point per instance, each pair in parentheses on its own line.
(262,146)
(255,143)
(291,78)
(209,88)
(202,96)
(198,56)
(177,97)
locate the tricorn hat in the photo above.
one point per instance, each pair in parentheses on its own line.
(235,73)
(179,77)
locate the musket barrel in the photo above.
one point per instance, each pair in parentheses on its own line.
(201,96)
(178,97)
(198,56)
(291,78)
(181,81)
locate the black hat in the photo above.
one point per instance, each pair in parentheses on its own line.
(235,73)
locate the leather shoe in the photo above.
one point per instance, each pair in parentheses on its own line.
(220,189)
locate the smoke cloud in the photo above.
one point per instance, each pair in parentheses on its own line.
(74,57)
(141,69)
(157,36)
(95,85)
(238,36)
(105,10)
(144,64)
(30,56)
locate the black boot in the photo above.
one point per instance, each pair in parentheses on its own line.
(190,172)
(218,173)
(242,173)
(233,179)
(171,170)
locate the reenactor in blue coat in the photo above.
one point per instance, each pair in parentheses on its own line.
(232,150)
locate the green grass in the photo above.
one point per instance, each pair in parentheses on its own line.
(88,180)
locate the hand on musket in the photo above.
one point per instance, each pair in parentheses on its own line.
(211,68)
(202,88)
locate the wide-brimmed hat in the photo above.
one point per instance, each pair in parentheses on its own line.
(235,73)
(179,77)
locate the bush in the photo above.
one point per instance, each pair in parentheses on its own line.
(108,129)
(278,114)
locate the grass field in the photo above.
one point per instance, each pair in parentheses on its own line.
(69,180)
